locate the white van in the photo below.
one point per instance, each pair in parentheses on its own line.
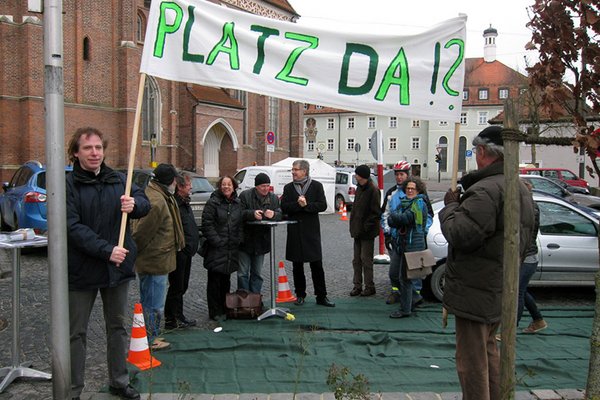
(280,176)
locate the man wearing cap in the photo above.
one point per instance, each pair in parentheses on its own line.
(472,223)
(159,236)
(364,228)
(258,204)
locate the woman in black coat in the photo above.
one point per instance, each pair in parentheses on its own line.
(222,228)
(302,201)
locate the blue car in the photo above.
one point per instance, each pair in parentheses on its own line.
(23,202)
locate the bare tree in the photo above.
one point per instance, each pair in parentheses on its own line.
(566,33)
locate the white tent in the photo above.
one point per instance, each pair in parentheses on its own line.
(319,171)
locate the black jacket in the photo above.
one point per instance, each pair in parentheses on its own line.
(222,228)
(190,229)
(93,225)
(257,239)
(304,238)
(364,218)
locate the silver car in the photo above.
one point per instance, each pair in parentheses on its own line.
(567,243)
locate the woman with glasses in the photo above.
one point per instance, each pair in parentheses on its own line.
(222,228)
(410,219)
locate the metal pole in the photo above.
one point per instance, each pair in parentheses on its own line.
(55,178)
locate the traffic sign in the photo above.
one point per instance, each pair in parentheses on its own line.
(270,137)
(357,147)
(468,153)
(374,145)
(270,148)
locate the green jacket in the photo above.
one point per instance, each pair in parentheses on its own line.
(159,235)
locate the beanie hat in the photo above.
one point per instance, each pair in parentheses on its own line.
(492,135)
(363,171)
(261,178)
(165,173)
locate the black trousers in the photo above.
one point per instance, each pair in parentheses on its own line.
(217,286)
(178,284)
(318,278)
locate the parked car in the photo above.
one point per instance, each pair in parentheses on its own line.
(279,176)
(567,243)
(549,186)
(572,189)
(345,186)
(563,174)
(23,202)
(201,189)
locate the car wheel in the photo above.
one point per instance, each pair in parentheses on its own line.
(437,281)
(339,201)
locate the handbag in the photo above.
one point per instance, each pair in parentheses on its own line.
(202,246)
(243,304)
(419,263)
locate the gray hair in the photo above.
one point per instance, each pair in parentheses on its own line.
(302,164)
(182,178)
(491,149)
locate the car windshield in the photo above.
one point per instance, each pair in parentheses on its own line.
(201,185)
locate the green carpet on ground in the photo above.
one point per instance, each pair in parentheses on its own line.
(405,355)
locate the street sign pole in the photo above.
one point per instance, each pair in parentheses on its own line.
(377,144)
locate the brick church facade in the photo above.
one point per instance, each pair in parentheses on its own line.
(213,131)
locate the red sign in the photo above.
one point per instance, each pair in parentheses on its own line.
(270,138)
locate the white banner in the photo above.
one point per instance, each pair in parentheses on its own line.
(412,76)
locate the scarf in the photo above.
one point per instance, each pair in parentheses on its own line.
(414,206)
(302,185)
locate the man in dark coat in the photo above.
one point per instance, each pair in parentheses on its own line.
(302,201)
(364,228)
(95,202)
(258,204)
(180,278)
(473,224)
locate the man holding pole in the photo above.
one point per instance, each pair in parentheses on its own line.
(473,225)
(95,203)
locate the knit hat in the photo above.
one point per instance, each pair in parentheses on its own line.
(165,173)
(492,135)
(261,178)
(363,171)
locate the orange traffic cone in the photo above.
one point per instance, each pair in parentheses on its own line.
(344,215)
(341,209)
(284,295)
(139,352)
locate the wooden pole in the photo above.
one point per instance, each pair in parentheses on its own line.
(132,149)
(512,261)
(455,155)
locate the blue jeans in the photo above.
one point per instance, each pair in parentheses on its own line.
(395,274)
(248,274)
(525,298)
(405,286)
(153,292)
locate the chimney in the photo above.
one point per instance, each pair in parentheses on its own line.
(489,48)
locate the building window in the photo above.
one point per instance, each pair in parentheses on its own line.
(330,124)
(416,123)
(393,122)
(503,94)
(369,143)
(305,106)
(463,118)
(351,124)
(330,144)
(140,27)
(482,118)
(273,114)
(443,123)
(350,144)
(462,156)
(151,111)
(483,94)
(392,143)
(415,143)
(465,94)
(443,152)
(319,107)
(310,145)
(372,124)
(87,51)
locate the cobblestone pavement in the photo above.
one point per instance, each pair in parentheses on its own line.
(35,324)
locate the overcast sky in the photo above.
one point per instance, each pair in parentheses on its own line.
(407,16)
